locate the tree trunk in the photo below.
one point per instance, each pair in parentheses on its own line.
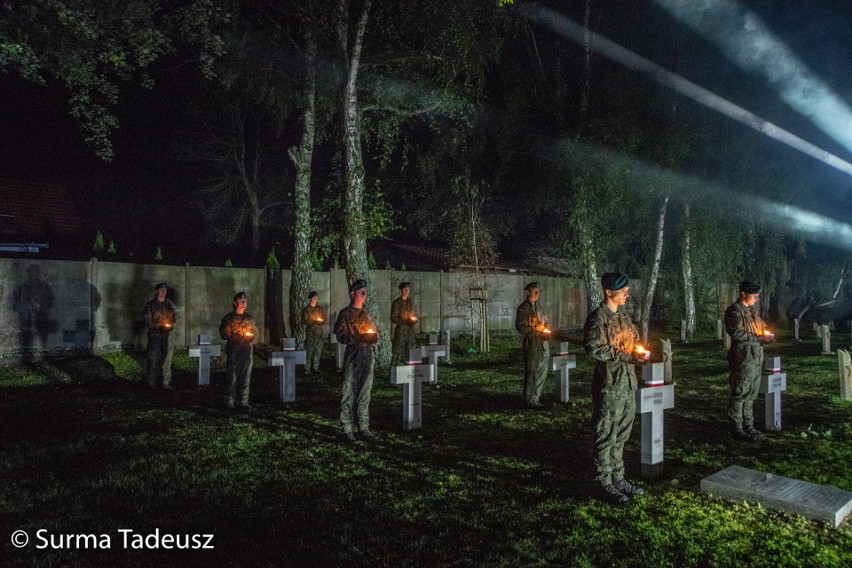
(651,285)
(302,156)
(354,241)
(594,293)
(686,265)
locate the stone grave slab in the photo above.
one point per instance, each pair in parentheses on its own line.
(819,502)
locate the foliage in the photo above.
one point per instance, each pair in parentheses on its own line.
(158,256)
(371,262)
(98,246)
(483,482)
(228,263)
(111,249)
(272,260)
(92,46)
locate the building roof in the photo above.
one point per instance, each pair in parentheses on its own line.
(36,211)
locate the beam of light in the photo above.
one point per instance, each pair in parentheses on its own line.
(706,195)
(747,41)
(574,31)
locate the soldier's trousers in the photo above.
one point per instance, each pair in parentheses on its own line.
(357,389)
(403,341)
(238,375)
(536,367)
(160,351)
(612,420)
(313,348)
(744,380)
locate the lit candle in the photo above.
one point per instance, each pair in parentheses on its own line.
(167,325)
(645,354)
(767,333)
(318,319)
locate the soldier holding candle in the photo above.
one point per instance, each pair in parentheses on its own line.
(239,330)
(404,317)
(535,342)
(313,317)
(611,339)
(160,317)
(356,329)
(748,335)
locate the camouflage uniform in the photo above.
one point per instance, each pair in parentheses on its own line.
(609,338)
(403,335)
(238,352)
(313,317)
(536,350)
(744,361)
(160,347)
(357,368)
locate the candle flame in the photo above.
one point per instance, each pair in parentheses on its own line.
(767,332)
(640,349)
(371,331)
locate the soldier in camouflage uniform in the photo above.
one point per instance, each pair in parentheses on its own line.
(239,330)
(745,358)
(160,318)
(531,324)
(404,317)
(313,317)
(351,328)
(610,338)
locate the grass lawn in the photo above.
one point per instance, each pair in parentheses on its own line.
(485,482)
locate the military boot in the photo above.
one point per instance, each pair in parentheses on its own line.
(612,495)
(751,431)
(625,487)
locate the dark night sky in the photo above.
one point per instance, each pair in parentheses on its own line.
(39,141)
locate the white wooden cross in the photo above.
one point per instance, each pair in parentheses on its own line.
(650,403)
(340,349)
(287,359)
(561,363)
(204,350)
(434,351)
(772,383)
(411,377)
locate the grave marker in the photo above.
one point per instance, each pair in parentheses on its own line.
(796,329)
(772,383)
(287,359)
(720,329)
(412,377)
(562,362)
(727,340)
(845,367)
(204,350)
(650,404)
(339,350)
(818,502)
(826,340)
(683,331)
(433,353)
(666,351)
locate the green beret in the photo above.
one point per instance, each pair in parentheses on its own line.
(749,287)
(312,295)
(161,285)
(239,295)
(404,285)
(614,281)
(357,285)
(531,285)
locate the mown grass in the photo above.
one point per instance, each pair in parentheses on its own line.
(485,482)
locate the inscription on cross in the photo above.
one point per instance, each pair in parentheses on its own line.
(772,383)
(650,404)
(411,377)
(203,350)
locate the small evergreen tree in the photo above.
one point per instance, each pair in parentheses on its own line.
(272,260)
(111,249)
(371,262)
(228,263)
(99,243)
(158,256)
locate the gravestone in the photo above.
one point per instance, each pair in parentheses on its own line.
(339,350)
(562,362)
(446,334)
(433,353)
(683,331)
(727,341)
(826,340)
(720,329)
(644,335)
(287,359)
(831,325)
(666,352)
(772,383)
(796,329)
(818,330)
(819,502)
(850,333)
(845,367)
(204,350)
(650,404)
(411,377)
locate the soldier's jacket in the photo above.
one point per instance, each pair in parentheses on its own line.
(310,315)
(233,330)
(351,321)
(528,321)
(609,338)
(157,314)
(402,311)
(744,326)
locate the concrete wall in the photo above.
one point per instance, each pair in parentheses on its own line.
(59,306)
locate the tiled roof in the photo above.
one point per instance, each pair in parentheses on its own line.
(40,210)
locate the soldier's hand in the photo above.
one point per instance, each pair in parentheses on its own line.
(636,360)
